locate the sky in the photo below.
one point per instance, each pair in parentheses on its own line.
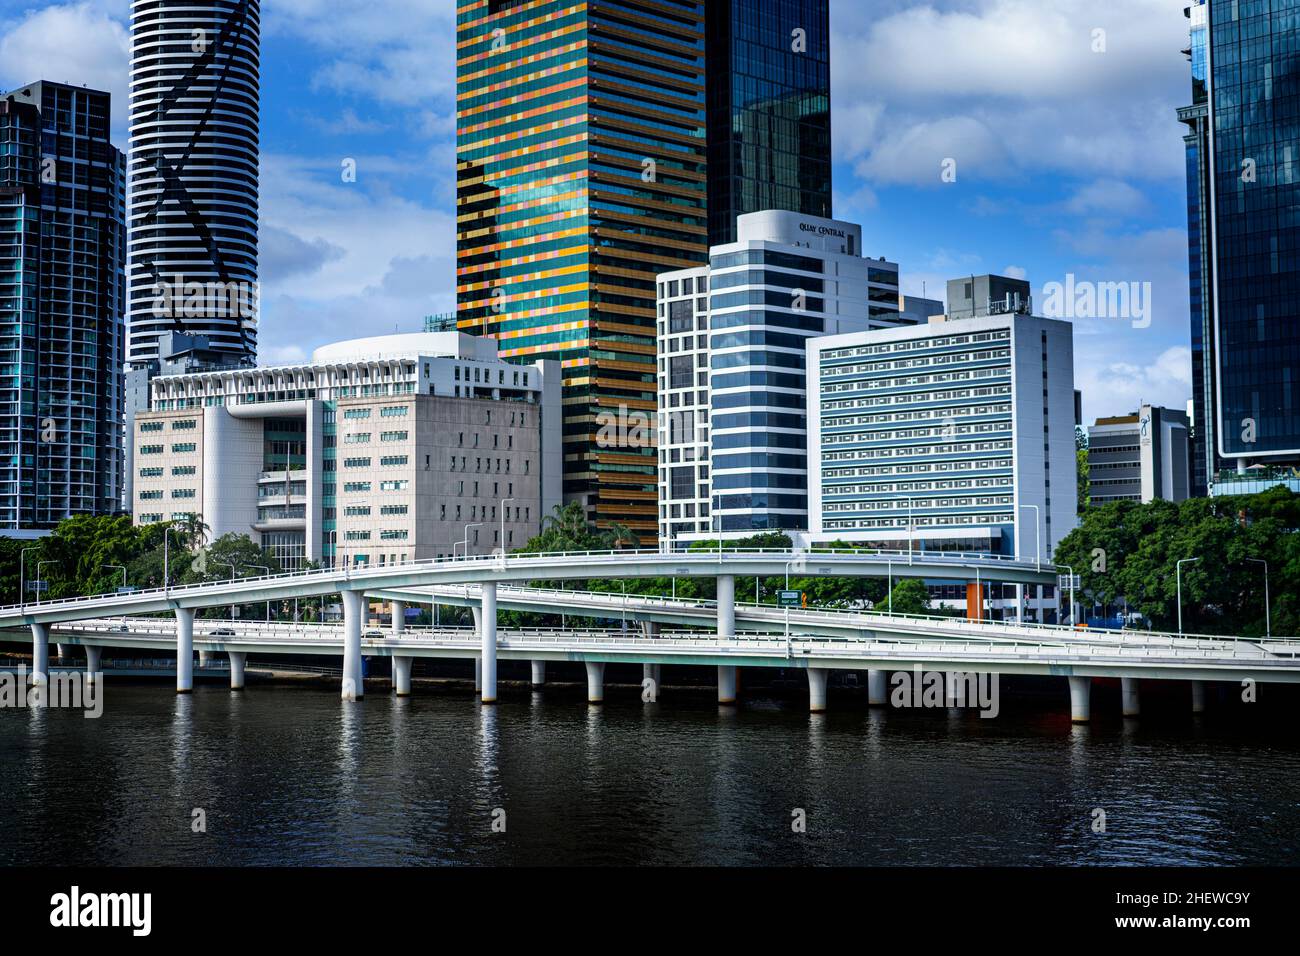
(1032,138)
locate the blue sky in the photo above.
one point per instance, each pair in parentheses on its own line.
(1069,157)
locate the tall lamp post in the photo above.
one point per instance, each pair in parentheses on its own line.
(22,574)
(232,577)
(263,567)
(1038,557)
(465,540)
(504,502)
(1178,574)
(1268,612)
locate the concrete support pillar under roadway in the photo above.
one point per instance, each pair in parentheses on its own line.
(595,682)
(877,688)
(63,651)
(40,655)
(92,664)
(539,673)
(184,650)
(399,618)
(237,660)
(1198,697)
(353,611)
(726,607)
(1080,699)
(817,680)
(1128,688)
(205,658)
(478,675)
(402,675)
(726,632)
(489,591)
(726,685)
(652,672)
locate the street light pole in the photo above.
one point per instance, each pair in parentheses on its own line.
(118,567)
(465,540)
(1178,574)
(22,574)
(263,567)
(1071,570)
(1268,612)
(504,502)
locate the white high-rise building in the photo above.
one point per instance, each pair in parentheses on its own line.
(731,344)
(193,176)
(954,435)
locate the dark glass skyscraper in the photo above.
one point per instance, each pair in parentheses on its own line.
(769,103)
(62,257)
(1243,161)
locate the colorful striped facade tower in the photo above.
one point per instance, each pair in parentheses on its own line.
(581,158)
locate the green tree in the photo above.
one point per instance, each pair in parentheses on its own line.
(910,596)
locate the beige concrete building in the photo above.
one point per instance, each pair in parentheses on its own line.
(383,450)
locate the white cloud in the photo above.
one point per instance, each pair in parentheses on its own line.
(1005,85)
(79,44)
(1113,387)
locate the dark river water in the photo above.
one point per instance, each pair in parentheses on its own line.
(290,775)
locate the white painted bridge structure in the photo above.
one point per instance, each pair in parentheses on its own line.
(649,631)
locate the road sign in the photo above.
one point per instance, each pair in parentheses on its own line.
(129,589)
(38,586)
(790,598)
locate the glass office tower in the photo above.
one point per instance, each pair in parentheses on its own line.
(582,175)
(1244,226)
(769,101)
(62,256)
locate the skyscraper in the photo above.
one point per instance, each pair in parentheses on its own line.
(581,176)
(1243,167)
(193,175)
(62,254)
(769,110)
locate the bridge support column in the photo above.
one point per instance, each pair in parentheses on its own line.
(478,674)
(92,664)
(652,672)
(726,685)
(237,660)
(489,591)
(62,651)
(595,682)
(40,655)
(539,674)
(399,617)
(1080,699)
(1198,697)
(726,632)
(402,675)
(877,688)
(817,680)
(1128,688)
(353,611)
(205,658)
(184,650)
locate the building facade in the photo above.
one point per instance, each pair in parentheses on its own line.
(399,448)
(62,259)
(1140,457)
(195,73)
(732,387)
(1243,166)
(581,164)
(957,435)
(769,110)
